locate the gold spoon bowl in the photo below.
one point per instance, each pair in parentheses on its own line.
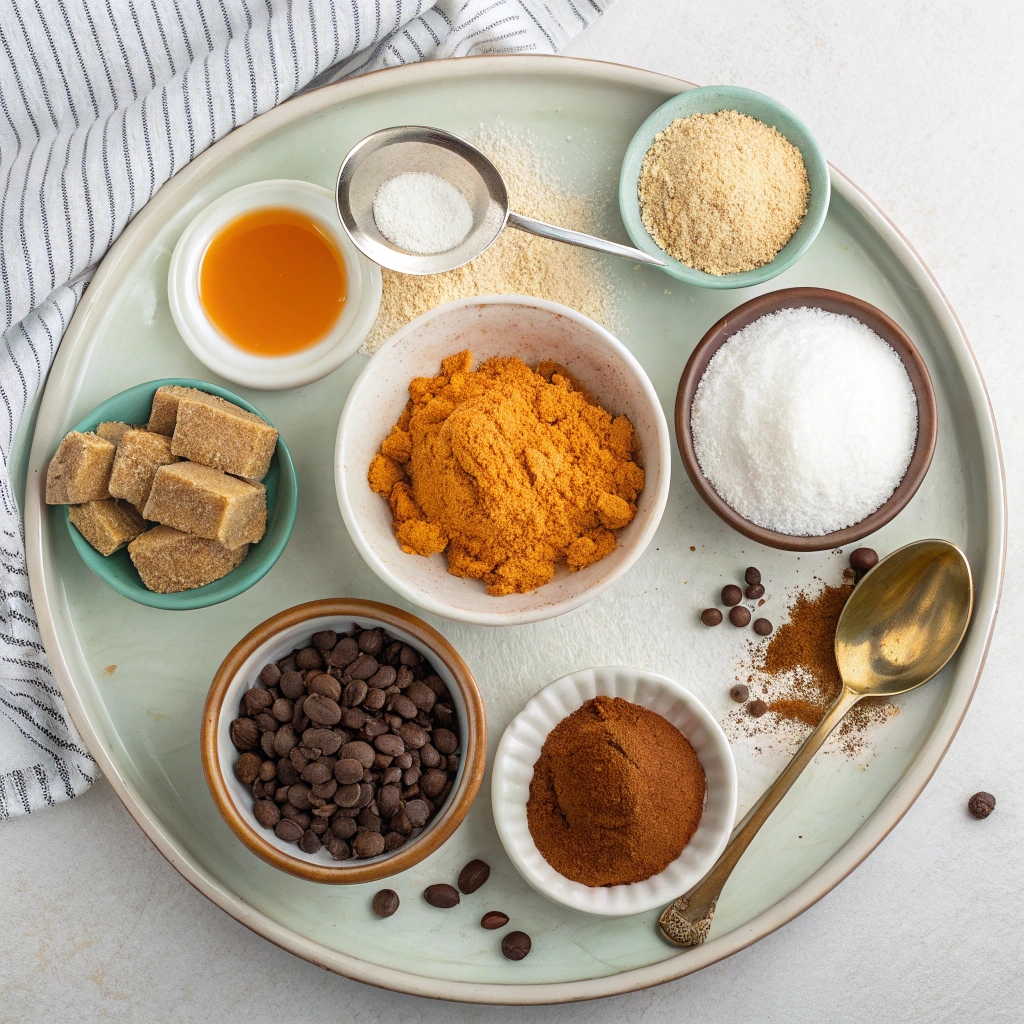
(901,625)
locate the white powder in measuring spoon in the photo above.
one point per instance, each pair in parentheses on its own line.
(422,212)
(804,422)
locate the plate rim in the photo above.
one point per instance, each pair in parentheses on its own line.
(873,830)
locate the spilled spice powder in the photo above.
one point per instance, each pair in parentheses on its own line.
(616,794)
(797,675)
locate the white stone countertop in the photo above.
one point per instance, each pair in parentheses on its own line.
(921,104)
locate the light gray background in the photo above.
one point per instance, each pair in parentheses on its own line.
(921,104)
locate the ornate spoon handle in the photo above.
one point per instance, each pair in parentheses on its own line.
(687,921)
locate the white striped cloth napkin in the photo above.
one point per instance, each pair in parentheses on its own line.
(101,101)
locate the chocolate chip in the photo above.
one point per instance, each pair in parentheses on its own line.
(316,773)
(863,559)
(740,693)
(248,768)
(711,616)
(444,740)
(309,657)
(418,812)
(739,616)
(288,830)
(245,733)
(392,841)
(757,708)
(432,782)
(346,651)
(493,919)
(754,591)
(409,657)
(284,740)
(337,848)
(326,686)
(762,627)
(389,744)
(731,595)
(413,736)
(359,751)
(343,827)
(292,685)
(355,693)
(368,844)
(516,945)
(473,875)
(267,813)
(257,699)
(441,895)
(405,707)
(375,700)
(384,677)
(371,641)
(752,576)
(385,902)
(981,805)
(270,674)
(326,740)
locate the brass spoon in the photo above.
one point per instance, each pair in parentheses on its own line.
(900,626)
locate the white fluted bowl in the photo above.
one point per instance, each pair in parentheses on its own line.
(520,747)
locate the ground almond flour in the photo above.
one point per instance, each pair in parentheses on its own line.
(722,192)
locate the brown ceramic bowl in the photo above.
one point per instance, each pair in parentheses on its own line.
(273,640)
(835,302)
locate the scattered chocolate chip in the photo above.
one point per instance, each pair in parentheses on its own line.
(385,902)
(757,708)
(711,616)
(863,559)
(731,595)
(752,576)
(740,693)
(473,875)
(441,895)
(762,627)
(754,591)
(493,919)
(981,805)
(516,945)
(739,616)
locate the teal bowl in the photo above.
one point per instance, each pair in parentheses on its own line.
(710,100)
(117,571)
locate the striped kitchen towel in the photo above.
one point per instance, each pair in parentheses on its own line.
(101,101)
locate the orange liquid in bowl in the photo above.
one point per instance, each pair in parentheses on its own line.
(273,282)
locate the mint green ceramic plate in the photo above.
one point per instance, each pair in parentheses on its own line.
(709,100)
(117,571)
(142,721)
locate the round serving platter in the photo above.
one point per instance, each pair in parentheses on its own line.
(135,678)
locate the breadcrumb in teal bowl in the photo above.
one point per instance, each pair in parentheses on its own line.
(709,100)
(281,481)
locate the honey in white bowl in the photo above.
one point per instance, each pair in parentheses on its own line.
(273,282)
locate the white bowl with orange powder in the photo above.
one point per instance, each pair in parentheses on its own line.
(534,331)
(267,289)
(514,770)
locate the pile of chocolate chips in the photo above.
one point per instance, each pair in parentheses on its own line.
(738,614)
(350,743)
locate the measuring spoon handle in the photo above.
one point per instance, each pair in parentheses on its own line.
(538,227)
(687,921)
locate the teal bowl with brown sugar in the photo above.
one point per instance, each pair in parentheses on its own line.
(709,100)
(117,571)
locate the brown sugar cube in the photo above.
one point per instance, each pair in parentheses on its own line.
(170,561)
(113,430)
(80,470)
(107,525)
(208,503)
(164,412)
(219,434)
(139,455)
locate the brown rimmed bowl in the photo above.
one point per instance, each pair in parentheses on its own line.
(834,302)
(277,637)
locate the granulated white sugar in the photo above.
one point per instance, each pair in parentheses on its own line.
(422,212)
(804,422)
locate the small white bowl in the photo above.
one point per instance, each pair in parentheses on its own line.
(521,745)
(212,348)
(495,325)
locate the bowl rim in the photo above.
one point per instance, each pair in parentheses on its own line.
(542,612)
(187,600)
(814,162)
(364,289)
(834,302)
(474,755)
(512,736)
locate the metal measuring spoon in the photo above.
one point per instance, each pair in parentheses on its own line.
(392,151)
(900,626)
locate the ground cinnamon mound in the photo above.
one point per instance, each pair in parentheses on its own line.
(509,471)
(617,793)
